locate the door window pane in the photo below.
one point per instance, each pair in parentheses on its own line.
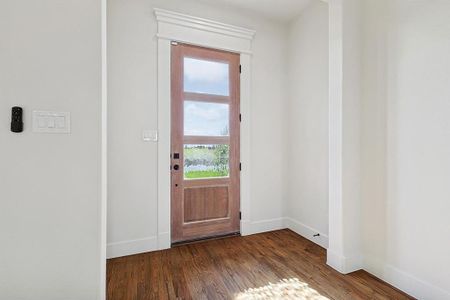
(206,77)
(206,119)
(206,161)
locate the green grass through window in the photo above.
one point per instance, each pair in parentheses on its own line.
(205,174)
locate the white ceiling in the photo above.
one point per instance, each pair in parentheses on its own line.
(281,10)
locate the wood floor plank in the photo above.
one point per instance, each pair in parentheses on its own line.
(273,265)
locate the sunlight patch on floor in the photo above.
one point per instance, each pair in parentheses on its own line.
(285,289)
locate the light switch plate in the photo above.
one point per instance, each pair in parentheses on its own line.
(150,135)
(51,122)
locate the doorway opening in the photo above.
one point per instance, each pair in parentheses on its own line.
(205,137)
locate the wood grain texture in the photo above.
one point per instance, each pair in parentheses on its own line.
(205,203)
(274,265)
(182,227)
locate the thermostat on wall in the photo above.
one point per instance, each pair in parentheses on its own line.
(51,122)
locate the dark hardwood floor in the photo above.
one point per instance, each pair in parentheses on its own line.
(274,265)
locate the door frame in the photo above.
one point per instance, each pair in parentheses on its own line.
(175,27)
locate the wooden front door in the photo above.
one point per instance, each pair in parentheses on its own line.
(205,143)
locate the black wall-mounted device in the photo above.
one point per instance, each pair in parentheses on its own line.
(16,119)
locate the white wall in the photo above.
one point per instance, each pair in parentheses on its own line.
(132,202)
(50,59)
(307,131)
(373,127)
(407,144)
(351,135)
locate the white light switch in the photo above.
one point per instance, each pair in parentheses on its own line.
(60,122)
(42,123)
(150,135)
(51,122)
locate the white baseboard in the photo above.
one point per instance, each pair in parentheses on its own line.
(164,240)
(249,227)
(307,232)
(344,265)
(335,261)
(131,247)
(404,281)
(353,263)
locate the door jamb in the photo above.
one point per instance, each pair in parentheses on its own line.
(206,33)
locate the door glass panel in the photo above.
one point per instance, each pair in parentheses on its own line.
(206,77)
(206,119)
(206,161)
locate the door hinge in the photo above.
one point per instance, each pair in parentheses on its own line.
(240,69)
(240,166)
(240,215)
(240,117)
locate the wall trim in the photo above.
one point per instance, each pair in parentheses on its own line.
(163,240)
(173,26)
(335,261)
(249,228)
(182,40)
(131,247)
(306,232)
(188,29)
(342,264)
(404,281)
(184,20)
(104,151)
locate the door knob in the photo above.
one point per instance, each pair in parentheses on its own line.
(176,167)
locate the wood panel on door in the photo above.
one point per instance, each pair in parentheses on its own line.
(205,143)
